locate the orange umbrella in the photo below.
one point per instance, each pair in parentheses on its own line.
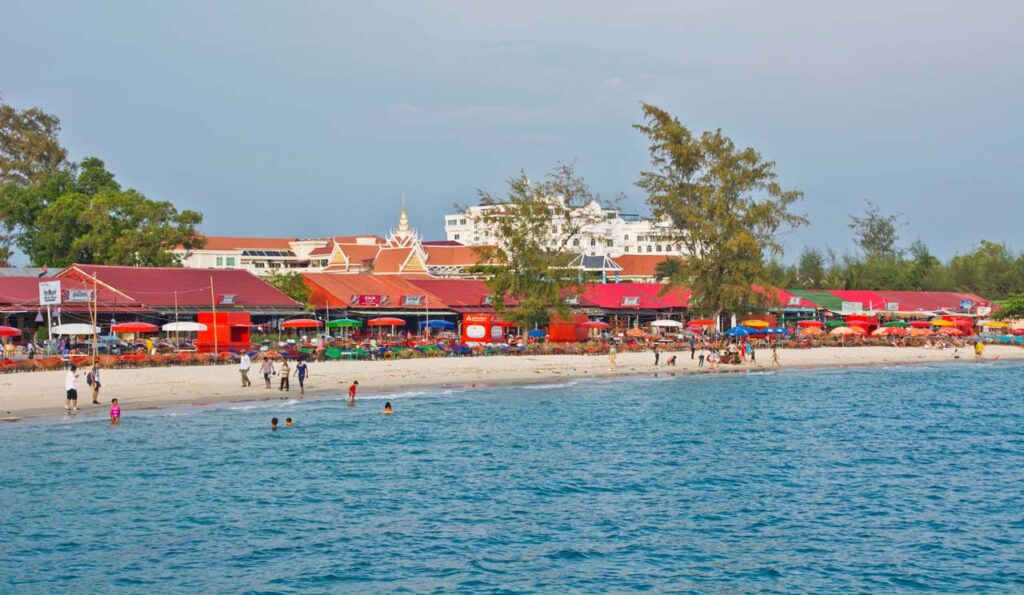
(847,330)
(753,323)
(921,332)
(811,331)
(953,332)
(635,332)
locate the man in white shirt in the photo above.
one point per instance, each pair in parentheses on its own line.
(71,388)
(243,367)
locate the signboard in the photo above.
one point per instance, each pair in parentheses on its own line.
(49,293)
(228,299)
(984,310)
(892,306)
(851,307)
(572,300)
(794,300)
(413,300)
(631,300)
(486,301)
(77,295)
(966,304)
(368,300)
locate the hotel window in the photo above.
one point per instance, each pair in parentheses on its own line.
(231,261)
(462,221)
(259,265)
(456,236)
(609,243)
(648,247)
(593,241)
(627,248)
(576,242)
(657,249)
(220,261)
(625,238)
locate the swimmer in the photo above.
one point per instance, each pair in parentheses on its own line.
(115,413)
(288,422)
(387,408)
(273,424)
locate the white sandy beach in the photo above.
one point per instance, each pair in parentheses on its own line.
(41,393)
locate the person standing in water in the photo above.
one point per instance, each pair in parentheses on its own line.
(387,408)
(273,424)
(352,391)
(115,413)
(301,370)
(71,389)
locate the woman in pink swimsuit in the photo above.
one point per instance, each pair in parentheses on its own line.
(115,413)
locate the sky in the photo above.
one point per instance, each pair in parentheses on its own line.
(308,119)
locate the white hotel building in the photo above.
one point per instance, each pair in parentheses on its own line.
(610,232)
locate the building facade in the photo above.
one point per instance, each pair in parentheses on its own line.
(604,232)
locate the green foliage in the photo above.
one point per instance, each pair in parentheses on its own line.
(29,149)
(85,216)
(1011,308)
(292,285)
(876,233)
(668,269)
(725,205)
(533,258)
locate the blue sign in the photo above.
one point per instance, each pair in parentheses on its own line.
(966,304)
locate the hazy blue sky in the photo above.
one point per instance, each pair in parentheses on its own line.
(311,118)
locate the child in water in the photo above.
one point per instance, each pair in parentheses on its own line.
(273,424)
(288,423)
(387,408)
(115,413)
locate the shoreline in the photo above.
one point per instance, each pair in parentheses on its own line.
(22,395)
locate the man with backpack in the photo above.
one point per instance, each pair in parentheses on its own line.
(93,380)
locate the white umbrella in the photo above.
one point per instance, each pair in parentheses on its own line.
(184,327)
(74,329)
(667,323)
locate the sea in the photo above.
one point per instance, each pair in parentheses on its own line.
(882,480)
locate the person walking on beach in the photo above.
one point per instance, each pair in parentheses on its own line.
(612,354)
(775,357)
(301,370)
(702,356)
(352,392)
(93,380)
(321,348)
(979,348)
(115,413)
(657,354)
(267,369)
(243,367)
(71,389)
(31,347)
(285,376)
(693,347)
(750,352)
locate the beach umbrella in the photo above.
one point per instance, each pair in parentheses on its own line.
(776,330)
(1019,331)
(846,330)
(811,331)
(895,324)
(952,332)
(385,321)
(184,327)
(344,323)
(740,331)
(995,324)
(668,324)
(702,322)
(134,327)
(919,324)
(753,323)
(594,324)
(941,322)
(635,332)
(835,323)
(921,332)
(437,324)
(74,329)
(536,333)
(301,323)
(810,324)
(9,331)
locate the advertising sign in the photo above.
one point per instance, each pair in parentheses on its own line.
(851,307)
(984,310)
(77,295)
(368,300)
(892,306)
(794,300)
(413,300)
(49,293)
(631,300)
(966,304)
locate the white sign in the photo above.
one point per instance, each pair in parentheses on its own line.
(412,300)
(78,295)
(892,306)
(49,293)
(851,307)
(984,310)
(631,300)
(795,300)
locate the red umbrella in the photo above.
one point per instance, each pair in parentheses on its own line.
(920,324)
(702,322)
(301,323)
(594,324)
(135,327)
(1019,331)
(9,331)
(385,321)
(811,323)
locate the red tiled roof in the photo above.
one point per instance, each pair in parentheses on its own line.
(785,299)
(336,291)
(612,296)
(390,260)
(869,299)
(640,265)
(460,294)
(166,287)
(929,301)
(226,243)
(456,255)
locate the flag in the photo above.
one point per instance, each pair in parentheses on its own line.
(42,271)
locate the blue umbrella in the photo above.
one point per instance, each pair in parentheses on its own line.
(776,331)
(537,333)
(437,324)
(740,331)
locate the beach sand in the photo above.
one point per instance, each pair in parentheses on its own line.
(42,393)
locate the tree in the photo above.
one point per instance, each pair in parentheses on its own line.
(86,217)
(991,270)
(29,149)
(810,269)
(292,285)
(667,269)
(725,205)
(534,226)
(1011,308)
(876,233)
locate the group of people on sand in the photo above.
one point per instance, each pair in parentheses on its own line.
(301,372)
(92,378)
(713,354)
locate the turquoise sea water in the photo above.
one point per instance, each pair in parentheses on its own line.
(878,480)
